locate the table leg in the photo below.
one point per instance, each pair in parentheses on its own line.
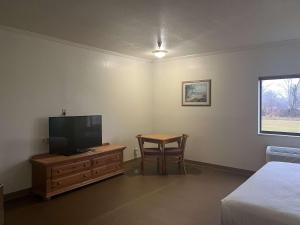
(164,159)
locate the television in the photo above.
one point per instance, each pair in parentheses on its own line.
(70,135)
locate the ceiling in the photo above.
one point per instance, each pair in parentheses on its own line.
(132,26)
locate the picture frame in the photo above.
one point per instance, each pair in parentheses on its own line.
(196,93)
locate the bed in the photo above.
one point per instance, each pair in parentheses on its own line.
(270,197)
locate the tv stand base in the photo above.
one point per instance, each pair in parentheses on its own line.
(55,174)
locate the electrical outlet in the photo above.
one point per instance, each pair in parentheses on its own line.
(63,112)
(45,140)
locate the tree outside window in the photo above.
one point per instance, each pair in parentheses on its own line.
(280,105)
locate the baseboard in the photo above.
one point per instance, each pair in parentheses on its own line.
(18,194)
(224,168)
(26,192)
(244,172)
(131,160)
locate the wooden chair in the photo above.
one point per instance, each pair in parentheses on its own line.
(148,153)
(177,152)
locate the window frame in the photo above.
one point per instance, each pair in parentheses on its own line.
(275,77)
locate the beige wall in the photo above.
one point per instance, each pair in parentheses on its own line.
(226,132)
(40,77)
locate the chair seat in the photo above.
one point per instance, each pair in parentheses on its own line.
(152,151)
(173,151)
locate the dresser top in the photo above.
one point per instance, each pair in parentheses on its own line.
(48,159)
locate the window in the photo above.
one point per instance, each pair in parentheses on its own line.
(280,105)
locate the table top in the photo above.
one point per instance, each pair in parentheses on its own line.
(161,137)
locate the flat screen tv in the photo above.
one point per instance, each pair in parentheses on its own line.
(74,134)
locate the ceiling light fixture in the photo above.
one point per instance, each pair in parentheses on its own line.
(159,53)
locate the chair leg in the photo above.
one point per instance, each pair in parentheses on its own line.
(179,164)
(183,164)
(162,166)
(142,167)
(158,166)
(165,166)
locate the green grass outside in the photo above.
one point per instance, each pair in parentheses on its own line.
(281,125)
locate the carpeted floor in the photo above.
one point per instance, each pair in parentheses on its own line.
(133,199)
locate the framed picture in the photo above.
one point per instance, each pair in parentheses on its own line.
(196,93)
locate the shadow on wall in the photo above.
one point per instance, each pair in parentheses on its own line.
(40,134)
(15,168)
(128,142)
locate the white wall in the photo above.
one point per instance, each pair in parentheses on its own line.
(40,77)
(226,132)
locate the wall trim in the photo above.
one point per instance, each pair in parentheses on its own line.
(131,160)
(17,194)
(26,192)
(107,52)
(223,168)
(71,43)
(266,45)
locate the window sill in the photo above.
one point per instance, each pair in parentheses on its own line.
(278,135)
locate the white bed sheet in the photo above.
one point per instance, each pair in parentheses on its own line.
(270,197)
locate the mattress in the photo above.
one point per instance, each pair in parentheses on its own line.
(270,197)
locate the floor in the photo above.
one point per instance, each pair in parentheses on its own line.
(132,199)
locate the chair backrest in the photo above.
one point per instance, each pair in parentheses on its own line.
(141,144)
(183,142)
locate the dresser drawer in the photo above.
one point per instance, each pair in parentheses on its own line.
(99,171)
(70,180)
(106,159)
(70,168)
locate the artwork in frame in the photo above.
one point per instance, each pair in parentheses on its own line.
(196,93)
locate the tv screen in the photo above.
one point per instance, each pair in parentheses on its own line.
(74,134)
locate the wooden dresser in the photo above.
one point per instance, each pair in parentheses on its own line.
(54,174)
